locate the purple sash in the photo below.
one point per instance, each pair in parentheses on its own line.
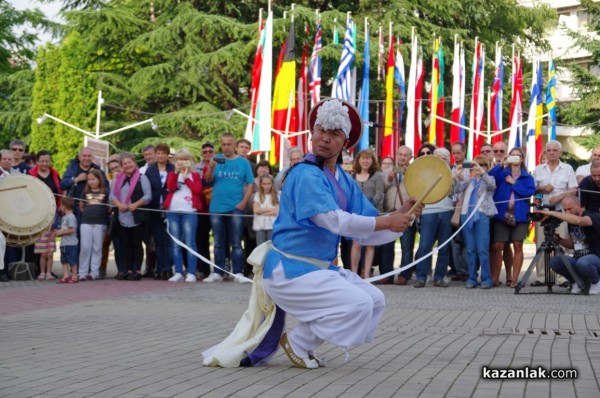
(133,180)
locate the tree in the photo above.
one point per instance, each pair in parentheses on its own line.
(586,110)
(17,51)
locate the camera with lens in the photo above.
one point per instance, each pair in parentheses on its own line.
(549,224)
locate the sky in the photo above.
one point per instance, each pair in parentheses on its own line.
(51,10)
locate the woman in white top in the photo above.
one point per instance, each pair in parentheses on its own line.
(183,201)
(265,207)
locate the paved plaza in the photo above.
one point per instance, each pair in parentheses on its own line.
(131,339)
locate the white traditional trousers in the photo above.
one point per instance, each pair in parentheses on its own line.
(337,307)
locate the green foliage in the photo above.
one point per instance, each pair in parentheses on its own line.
(586,110)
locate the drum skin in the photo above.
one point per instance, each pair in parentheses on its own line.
(25,213)
(422,172)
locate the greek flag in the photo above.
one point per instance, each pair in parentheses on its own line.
(342,86)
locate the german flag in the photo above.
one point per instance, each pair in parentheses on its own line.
(284,95)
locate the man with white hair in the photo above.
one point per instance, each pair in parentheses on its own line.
(295,155)
(554,180)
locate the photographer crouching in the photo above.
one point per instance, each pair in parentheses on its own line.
(584,238)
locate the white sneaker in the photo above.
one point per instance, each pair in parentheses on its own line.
(176,278)
(595,288)
(240,278)
(213,277)
(190,278)
(575,289)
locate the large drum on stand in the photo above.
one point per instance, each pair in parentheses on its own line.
(27,209)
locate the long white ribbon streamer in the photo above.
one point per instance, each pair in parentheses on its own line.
(371,280)
(201,257)
(435,250)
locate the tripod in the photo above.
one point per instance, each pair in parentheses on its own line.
(549,248)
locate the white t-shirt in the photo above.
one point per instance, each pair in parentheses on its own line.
(182,197)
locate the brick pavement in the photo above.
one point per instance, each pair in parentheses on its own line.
(144,339)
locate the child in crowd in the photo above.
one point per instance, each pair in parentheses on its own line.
(94,219)
(266,208)
(68,241)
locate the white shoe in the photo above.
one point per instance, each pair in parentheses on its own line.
(190,278)
(176,278)
(213,277)
(595,288)
(240,278)
(575,289)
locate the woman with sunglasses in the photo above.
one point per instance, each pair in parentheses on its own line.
(476,232)
(434,226)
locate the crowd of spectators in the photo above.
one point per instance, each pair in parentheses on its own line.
(238,200)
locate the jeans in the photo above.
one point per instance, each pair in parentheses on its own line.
(477,242)
(162,243)
(387,257)
(459,254)
(183,227)
(233,224)
(434,226)
(587,267)
(407,242)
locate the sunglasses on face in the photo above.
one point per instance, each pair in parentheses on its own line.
(208,151)
(425,153)
(17,149)
(499,151)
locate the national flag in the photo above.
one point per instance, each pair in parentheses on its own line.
(551,100)
(497,96)
(534,122)
(457,133)
(388,132)
(284,94)
(440,107)
(314,70)
(477,102)
(380,56)
(412,137)
(516,105)
(303,102)
(261,136)
(433,98)
(256,69)
(401,87)
(419,97)
(363,98)
(342,86)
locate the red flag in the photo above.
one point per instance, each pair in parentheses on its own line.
(303,101)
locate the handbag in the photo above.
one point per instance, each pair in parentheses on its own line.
(509,217)
(455,220)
